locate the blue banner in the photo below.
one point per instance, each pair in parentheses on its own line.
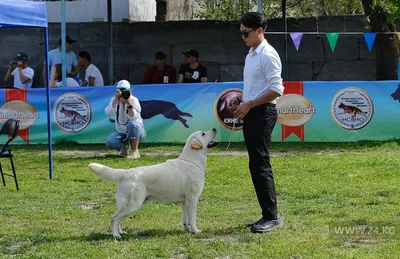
(308,111)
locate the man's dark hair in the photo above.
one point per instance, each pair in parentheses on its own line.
(85,55)
(253,20)
(161,55)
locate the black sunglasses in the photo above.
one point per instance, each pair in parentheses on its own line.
(246,33)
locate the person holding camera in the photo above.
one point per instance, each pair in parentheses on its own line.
(22,74)
(129,127)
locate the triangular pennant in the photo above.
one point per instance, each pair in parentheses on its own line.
(332,39)
(369,39)
(398,35)
(296,38)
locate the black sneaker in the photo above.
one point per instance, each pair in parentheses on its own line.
(266,225)
(254,223)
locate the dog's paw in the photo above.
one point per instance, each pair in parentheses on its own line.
(187,228)
(117,236)
(195,231)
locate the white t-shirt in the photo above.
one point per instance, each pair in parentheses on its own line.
(70,82)
(28,72)
(93,71)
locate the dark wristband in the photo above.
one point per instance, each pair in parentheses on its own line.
(129,106)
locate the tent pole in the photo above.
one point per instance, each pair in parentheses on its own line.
(285,75)
(259,6)
(110,44)
(63,50)
(49,135)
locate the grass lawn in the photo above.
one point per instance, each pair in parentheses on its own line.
(336,201)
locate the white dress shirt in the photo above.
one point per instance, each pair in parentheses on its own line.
(123,118)
(262,72)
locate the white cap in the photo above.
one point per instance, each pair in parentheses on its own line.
(124,84)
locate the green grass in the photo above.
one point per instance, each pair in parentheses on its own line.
(321,187)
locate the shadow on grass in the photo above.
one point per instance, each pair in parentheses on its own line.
(157,233)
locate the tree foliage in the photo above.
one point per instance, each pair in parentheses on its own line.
(231,10)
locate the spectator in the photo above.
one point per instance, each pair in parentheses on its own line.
(192,71)
(22,74)
(56,78)
(129,127)
(55,57)
(160,72)
(93,75)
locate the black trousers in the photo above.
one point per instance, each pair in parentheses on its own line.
(258,125)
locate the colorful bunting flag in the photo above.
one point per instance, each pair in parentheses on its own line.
(332,39)
(398,35)
(369,39)
(296,38)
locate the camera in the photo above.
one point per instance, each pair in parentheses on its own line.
(125,93)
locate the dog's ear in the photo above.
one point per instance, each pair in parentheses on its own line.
(224,101)
(196,144)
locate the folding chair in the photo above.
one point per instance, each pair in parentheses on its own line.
(9,128)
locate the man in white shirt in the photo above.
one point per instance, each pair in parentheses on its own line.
(93,75)
(55,57)
(257,107)
(129,128)
(22,74)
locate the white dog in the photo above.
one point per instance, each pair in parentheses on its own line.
(176,180)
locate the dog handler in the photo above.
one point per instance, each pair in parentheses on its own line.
(128,124)
(257,107)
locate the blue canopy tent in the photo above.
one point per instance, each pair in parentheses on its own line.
(25,13)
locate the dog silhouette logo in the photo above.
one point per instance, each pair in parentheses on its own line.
(352,108)
(72,112)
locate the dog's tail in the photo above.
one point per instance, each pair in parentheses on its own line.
(107,173)
(185,114)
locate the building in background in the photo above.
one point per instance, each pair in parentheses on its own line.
(123,10)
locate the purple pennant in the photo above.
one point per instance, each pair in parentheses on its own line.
(296,38)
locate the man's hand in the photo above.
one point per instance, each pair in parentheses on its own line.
(242,109)
(11,64)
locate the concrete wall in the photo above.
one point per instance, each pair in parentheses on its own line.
(133,10)
(220,46)
(179,10)
(89,11)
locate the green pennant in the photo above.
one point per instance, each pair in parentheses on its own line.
(332,39)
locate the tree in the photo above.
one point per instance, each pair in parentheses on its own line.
(231,10)
(380,16)
(224,10)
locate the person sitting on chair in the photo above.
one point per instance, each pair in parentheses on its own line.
(129,128)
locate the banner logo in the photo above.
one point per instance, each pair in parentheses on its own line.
(294,110)
(22,111)
(223,114)
(352,108)
(16,107)
(72,112)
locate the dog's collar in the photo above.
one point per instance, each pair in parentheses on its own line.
(202,169)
